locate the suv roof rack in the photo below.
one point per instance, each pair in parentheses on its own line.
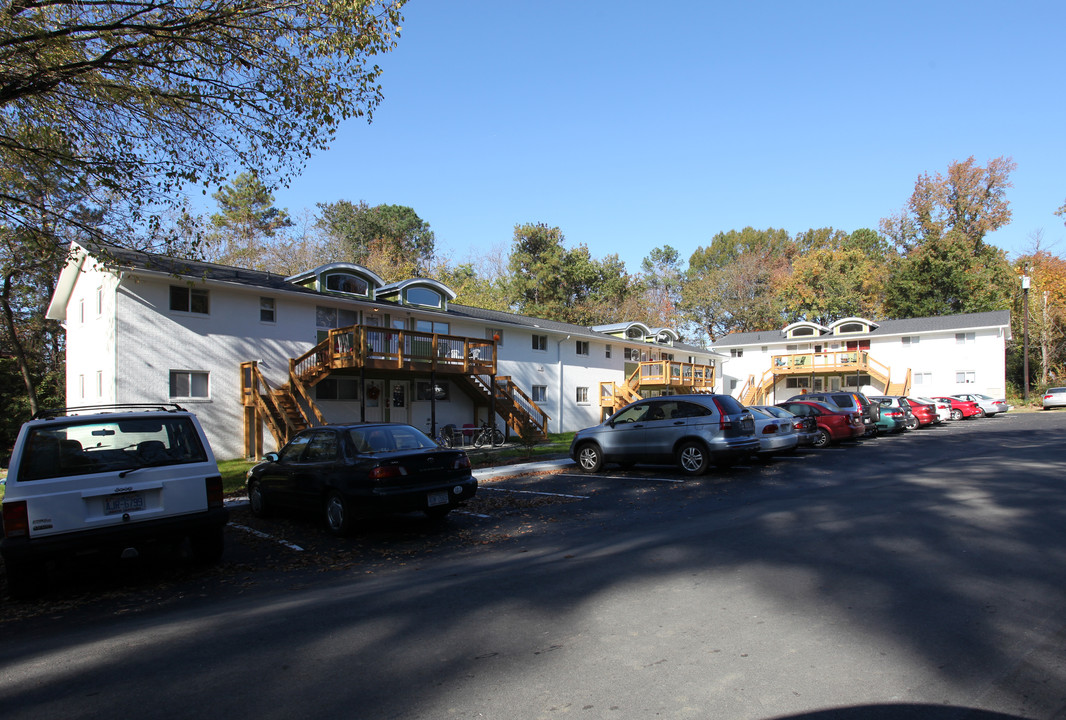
(57,412)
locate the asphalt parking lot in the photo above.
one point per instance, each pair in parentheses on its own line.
(916,576)
(512,504)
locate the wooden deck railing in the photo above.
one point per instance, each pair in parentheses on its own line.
(388,349)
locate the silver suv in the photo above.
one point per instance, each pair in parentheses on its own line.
(108,480)
(693,431)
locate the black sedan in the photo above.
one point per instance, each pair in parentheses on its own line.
(348,471)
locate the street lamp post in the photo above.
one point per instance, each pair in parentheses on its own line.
(1025,331)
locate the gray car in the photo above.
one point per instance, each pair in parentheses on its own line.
(693,431)
(806,428)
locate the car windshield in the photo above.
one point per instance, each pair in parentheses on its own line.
(761,412)
(389,438)
(83,447)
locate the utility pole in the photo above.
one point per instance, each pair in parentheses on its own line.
(1025,330)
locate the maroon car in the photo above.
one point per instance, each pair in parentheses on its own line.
(923,413)
(961,408)
(834,424)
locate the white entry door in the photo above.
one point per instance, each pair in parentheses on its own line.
(398,407)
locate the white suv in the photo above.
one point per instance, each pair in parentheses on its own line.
(108,479)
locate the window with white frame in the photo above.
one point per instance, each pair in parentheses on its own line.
(582,396)
(631,354)
(736,352)
(965,338)
(267,311)
(912,340)
(189,384)
(540,342)
(924,379)
(964,377)
(189,300)
(607,351)
(339,388)
(539,393)
(432,326)
(582,347)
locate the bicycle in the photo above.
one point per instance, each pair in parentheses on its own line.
(486,434)
(448,436)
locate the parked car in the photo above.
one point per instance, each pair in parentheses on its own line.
(895,401)
(961,409)
(834,423)
(692,431)
(943,407)
(108,481)
(775,434)
(989,405)
(346,472)
(925,413)
(893,420)
(856,402)
(806,428)
(1054,397)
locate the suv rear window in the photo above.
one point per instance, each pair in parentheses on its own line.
(728,405)
(844,400)
(82,447)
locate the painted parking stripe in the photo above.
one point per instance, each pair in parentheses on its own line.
(265,536)
(471,514)
(649,479)
(534,492)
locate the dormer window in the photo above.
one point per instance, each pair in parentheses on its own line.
(851,328)
(802,332)
(425,297)
(348,284)
(635,333)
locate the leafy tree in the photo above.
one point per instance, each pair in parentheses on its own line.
(360,231)
(945,266)
(662,278)
(547,280)
(246,224)
(732,285)
(140,99)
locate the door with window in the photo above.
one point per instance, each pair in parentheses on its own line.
(397,409)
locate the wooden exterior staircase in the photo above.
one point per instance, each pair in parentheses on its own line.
(682,378)
(287,409)
(824,365)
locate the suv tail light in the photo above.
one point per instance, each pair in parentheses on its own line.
(724,422)
(214,491)
(16,519)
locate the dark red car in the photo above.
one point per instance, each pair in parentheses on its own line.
(961,408)
(834,424)
(924,414)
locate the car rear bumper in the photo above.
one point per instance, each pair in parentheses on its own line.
(113,539)
(413,498)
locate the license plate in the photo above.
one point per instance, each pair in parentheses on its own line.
(123,503)
(437,498)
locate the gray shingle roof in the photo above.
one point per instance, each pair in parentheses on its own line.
(998,318)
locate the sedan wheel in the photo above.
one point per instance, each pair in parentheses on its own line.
(338,517)
(822,438)
(255,499)
(980,412)
(956,414)
(590,458)
(913,424)
(693,459)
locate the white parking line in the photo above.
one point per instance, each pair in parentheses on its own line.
(471,514)
(534,492)
(263,535)
(649,479)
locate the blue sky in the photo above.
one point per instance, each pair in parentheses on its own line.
(632,125)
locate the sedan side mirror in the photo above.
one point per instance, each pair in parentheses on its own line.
(271,457)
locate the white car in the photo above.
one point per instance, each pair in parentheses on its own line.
(988,405)
(108,481)
(1054,397)
(943,407)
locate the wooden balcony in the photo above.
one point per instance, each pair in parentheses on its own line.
(375,348)
(842,362)
(658,375)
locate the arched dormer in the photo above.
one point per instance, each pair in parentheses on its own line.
(804,329)
(346,279)
(852,326)
(418,292)
(664,336)
(637,331)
